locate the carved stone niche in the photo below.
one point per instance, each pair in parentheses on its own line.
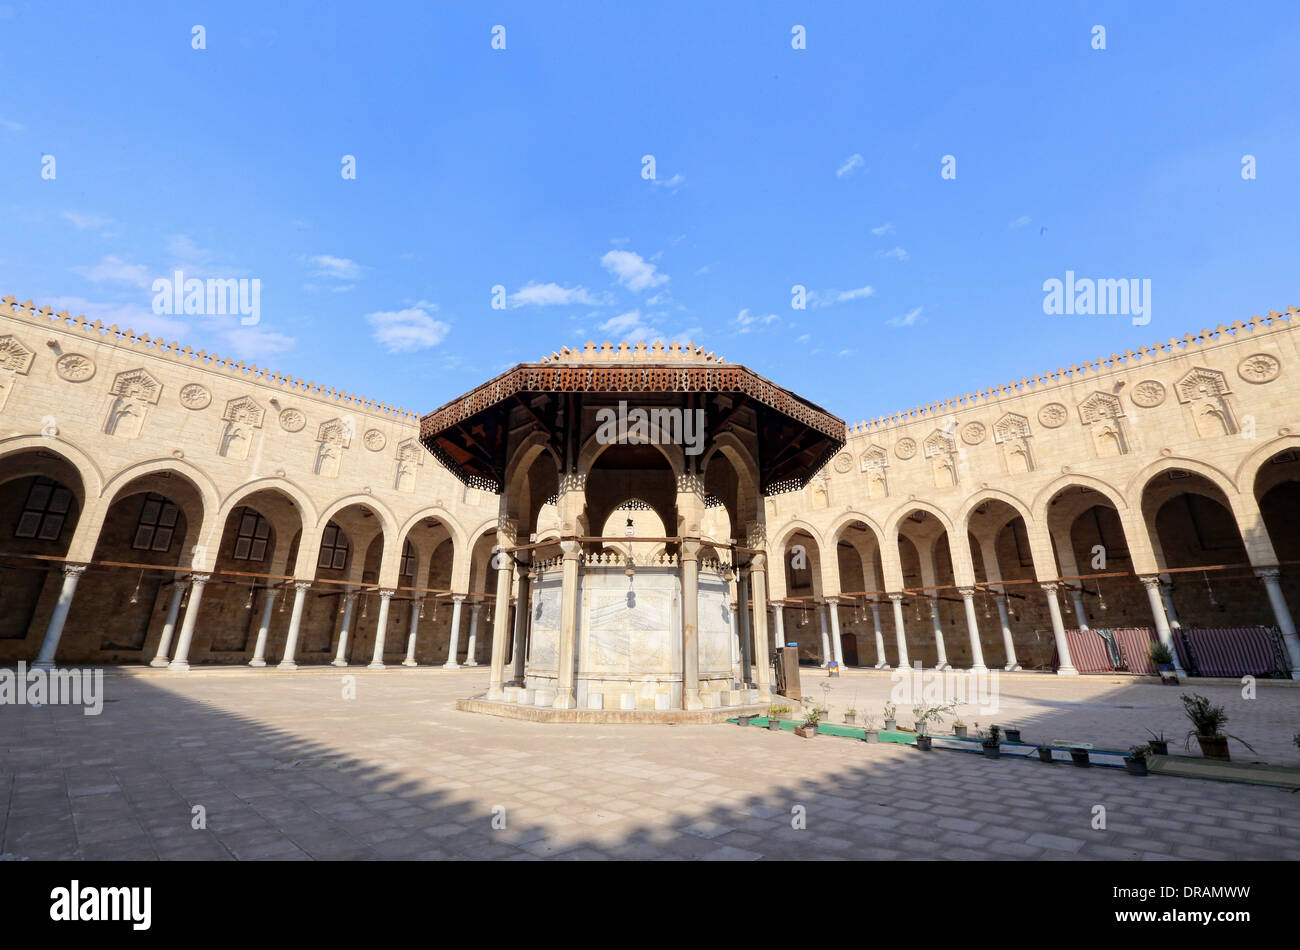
(14,356)
(410,456)
(874,461)
(1102,415)
(1204,396)
(817,490)
(242,415)
(1011,433)
(135,391)
(940,450)
(334,437)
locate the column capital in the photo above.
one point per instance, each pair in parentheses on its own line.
(570,549)
(302,585)
(897,598)
(966,592)
(198,579)
(758,562)
(384,592)
(1150,581)
(74,570)
(183,582)
(1050,587)
(689,550)
(833,600)
(1268,573)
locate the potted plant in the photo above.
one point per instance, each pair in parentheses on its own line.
(890,711)
(1013,735)
(809,728)
(1045,753)
(923,742)
(1159,744)
(959,729)
(850,716)
(774,713)
(1080,757)
(869,730)
(990,741)
(1163,658)
(1135,763)
(1208,721)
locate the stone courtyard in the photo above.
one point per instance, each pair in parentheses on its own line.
(285,767)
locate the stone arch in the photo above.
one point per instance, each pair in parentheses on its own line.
(1249,469)
(92,479)
(592,449)
(1141,479)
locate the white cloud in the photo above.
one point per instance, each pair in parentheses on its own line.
(11,126)
(672,184)
(255,343)
(851,164)
(1020,222)
(882,230)
(803,338)
(87,222)
(631,327)
(908,319)
(113,270)
(828,298)
(545,295)
(846,352)
(745,321)
(706,269)
(401,331)
(339,268)
(632,271)
(897,253)
(183,248)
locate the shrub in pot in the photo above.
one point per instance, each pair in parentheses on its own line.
(809,728)
(959,729)
(1080,758)
(890,711)
(1045,753)
(1135,763)
(923,742)
(991,741)
(1159,744)
(850,716)
(1208,721)
(774,714)
(1163,658)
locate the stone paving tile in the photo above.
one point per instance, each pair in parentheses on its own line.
(287,770)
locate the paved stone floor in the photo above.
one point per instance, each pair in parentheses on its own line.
(285,767)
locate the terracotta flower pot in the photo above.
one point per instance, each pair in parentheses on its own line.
(1214,747)
(806,732)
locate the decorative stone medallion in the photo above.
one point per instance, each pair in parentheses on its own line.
(1148,393)
(1259,368)
(1053,415)
(905,448)
(194,396)
(973,433)
(376,440)
(291,420)
(843,462)
(75,367)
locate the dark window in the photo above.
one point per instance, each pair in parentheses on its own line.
(157,524)
(333,548)
(254,534)
(47,507)
(408,560)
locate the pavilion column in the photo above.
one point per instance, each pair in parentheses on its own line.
(300,589)
(1152,583)
(688,557)
(1167,597)
(54,629)
(349,605)
(881,662)
(899,631)
(935,619)
(263,628)
(1080,614)
(454,646)
(1007,642)
(471,648)
(1058,631)
(566,656)
(746,637)
(762,656)
(181,661)
(1269,575)
(523,617)
(417,604)
(972,625)
(826,638)
(169,625)
(833,612)
(505,566)
(778,625)
(381,627)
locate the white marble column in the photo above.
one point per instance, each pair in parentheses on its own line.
(1167,597)
(1269,575)
(454,646)
(381,629)
(778,625)
(1080,614)
(181,661)
(937,622)
(881,662)
(471,648)
(263,629)
(523,618)
(1007,642)
(300,589)
(1058,632)
(54,629)
(505,566)
(1152,584)
(746,637)
(972,625)
(827,656)
(414,631)
(762,656)
(899,632)
(567,654)
(169,625)
(837,645)
(341,655)
(688,558)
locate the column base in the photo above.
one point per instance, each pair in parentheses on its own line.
(1012,668)
(764,695)
(470,663)
(409,662)
(563,701)
(692,700)
(903,668)
(979,669)
(158,662)
(178,666)
(257,661)
(41,665)
(339,663)
(944,665)
(376,665)
(449,665)
(882,665)
(1067,671)
(287,665)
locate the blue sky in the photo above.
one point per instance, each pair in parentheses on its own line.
(522,168)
